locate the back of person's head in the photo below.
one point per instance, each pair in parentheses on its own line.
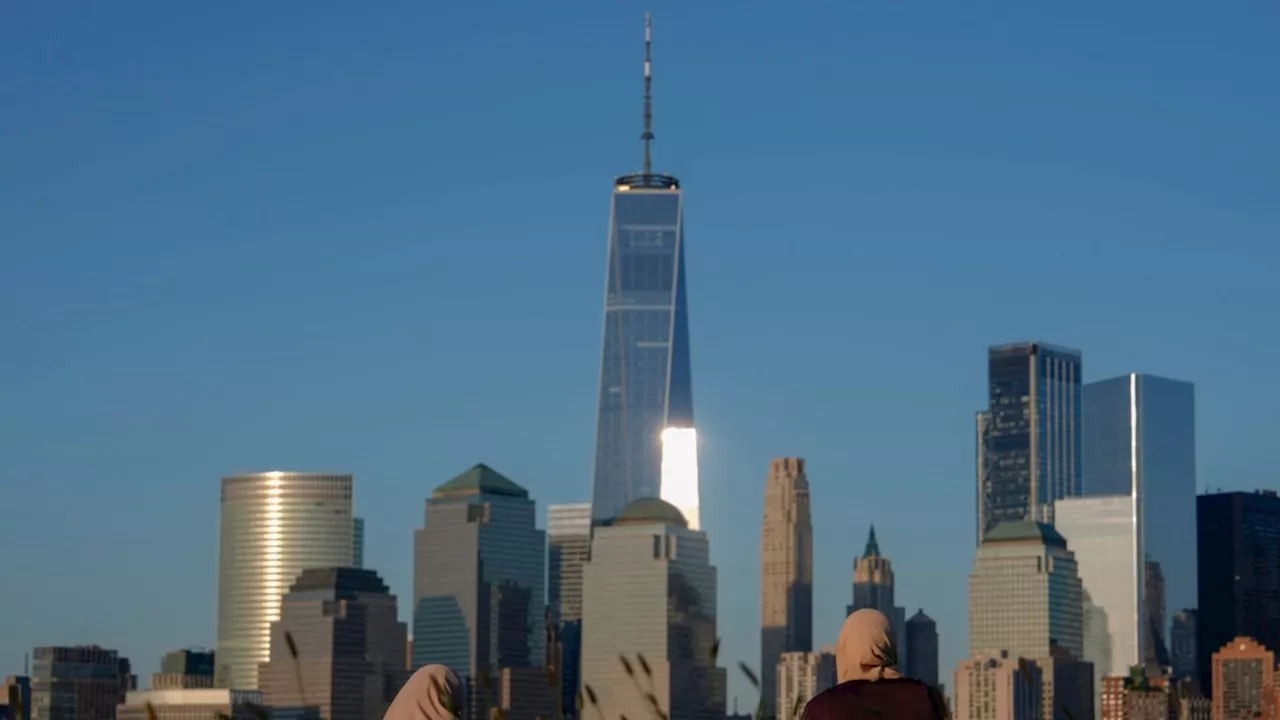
(865,649)
(432,693)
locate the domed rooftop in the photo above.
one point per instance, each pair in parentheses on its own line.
(651,511)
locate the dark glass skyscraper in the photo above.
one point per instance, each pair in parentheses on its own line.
(645,378)
(1238,542)
(479,578)
(1030,434)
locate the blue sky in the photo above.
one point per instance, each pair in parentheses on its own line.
(240,236)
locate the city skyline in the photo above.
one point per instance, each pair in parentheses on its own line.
(134,377)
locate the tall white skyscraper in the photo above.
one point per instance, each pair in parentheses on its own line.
(1102,534)
(273,526)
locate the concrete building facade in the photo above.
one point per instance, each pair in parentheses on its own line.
(786,573)
(800,676)
(650,591)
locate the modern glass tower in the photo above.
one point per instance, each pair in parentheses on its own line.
(1140,445)
(1029,437)
(478,578)
(645,379)
(273,526)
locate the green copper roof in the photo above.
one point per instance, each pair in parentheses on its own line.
(873,547)
(1023,531)
(651,511)
(480,479)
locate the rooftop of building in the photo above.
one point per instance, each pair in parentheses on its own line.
(643,181)
(344,581)
(1022,531)
(650,511)
(480,480)
(920,617)
(1033,346)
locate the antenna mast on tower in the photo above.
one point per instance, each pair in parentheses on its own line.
(647,135)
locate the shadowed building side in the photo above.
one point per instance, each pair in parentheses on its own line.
(1030,434)
(479,602)
(349,642)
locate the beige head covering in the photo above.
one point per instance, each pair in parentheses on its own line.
(432,693)
(865,650)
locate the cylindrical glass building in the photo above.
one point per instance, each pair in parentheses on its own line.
(273,526)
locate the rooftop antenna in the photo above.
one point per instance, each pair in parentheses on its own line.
(647,135)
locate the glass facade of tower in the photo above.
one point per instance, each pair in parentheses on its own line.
(273,526)
(645,378)
(1140,442)
(479,572)
(1030,434)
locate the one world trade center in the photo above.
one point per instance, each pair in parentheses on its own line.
(646,445)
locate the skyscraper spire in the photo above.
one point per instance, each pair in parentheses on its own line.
(647,135)
(873,547)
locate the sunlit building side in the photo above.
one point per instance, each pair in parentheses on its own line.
(273,526)
(650,591)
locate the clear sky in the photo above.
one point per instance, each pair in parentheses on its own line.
(371,238)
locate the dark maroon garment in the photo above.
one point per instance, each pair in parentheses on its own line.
(900,699)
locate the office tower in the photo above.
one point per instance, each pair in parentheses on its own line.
(1103,535)
(185,669)
(522,694)
(1025,598)
(800,676)
(1182,644)
(645,376)
(273,526)
(872,579)
(568,547)
(349,644)
(357,542)
(85,682)
(1239,572)
(922,648)
(479,569)
(997,686)
(1140,443)
(786,573)
(192,704)
(1243,670)
(873,588)
(191,661)
(1030,433)
(650,590)
(15,703)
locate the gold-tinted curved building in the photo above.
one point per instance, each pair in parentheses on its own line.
(273,526)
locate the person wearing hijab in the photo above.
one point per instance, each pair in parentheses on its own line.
(432,693)
(870,685)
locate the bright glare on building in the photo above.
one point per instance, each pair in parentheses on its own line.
(680,471)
